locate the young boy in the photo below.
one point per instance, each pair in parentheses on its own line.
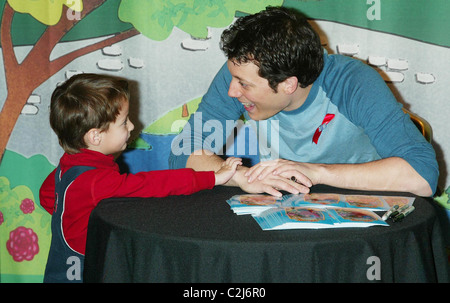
(89,114)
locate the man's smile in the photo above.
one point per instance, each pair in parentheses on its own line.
(248,105)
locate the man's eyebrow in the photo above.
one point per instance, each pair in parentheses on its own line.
(242,80)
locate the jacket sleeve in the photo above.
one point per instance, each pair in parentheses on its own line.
(391,131)
(105,183)
(47,193)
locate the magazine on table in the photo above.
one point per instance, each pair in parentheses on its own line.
(315,210)
(254,204)
(314,218)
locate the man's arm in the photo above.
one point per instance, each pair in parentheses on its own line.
(408,160)
(389,174)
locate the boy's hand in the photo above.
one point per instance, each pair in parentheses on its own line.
(227,170)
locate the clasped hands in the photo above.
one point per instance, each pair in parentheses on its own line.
(275,175)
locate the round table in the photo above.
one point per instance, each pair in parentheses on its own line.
(197,238)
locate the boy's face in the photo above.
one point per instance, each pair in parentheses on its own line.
(115,138)
(254,92)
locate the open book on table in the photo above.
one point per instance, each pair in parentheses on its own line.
(254,204)
(312,218)
(315,210)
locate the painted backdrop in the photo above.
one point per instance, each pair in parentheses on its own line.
(169,50)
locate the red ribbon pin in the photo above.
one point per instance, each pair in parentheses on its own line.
(326,120)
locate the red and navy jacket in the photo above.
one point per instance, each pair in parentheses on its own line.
(106,181)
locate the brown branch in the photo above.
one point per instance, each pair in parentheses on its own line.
(62,61)
(53,34)
(6,40)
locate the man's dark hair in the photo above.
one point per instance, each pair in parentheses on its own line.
(280,41)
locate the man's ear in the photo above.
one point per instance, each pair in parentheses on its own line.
(290,85)
(93,137)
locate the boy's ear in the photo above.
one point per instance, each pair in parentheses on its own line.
(290,85)
(93,137)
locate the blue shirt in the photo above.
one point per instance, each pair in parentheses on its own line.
(349,116)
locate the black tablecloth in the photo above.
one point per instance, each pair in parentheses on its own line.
(198,238)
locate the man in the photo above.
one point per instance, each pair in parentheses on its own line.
(328,119)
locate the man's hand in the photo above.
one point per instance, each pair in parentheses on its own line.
(294,171)
(270,183)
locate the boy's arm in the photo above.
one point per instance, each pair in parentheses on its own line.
(105,183)
(47,193)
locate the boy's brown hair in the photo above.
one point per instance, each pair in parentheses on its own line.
(83,102)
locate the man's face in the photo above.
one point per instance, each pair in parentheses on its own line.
(254,92)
